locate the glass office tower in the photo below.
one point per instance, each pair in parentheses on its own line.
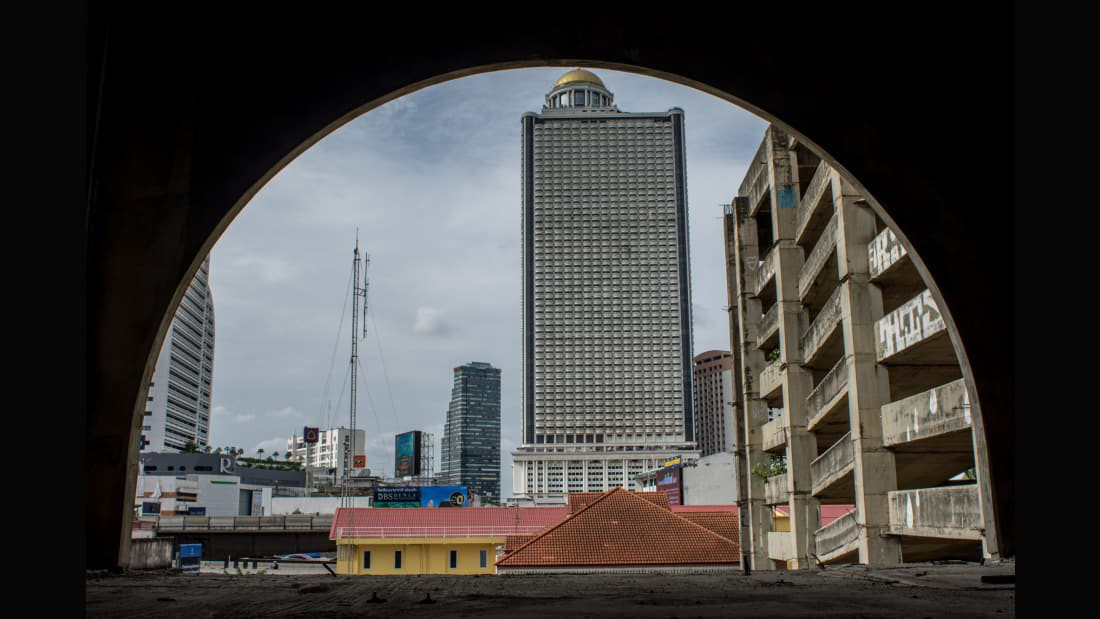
(470,454)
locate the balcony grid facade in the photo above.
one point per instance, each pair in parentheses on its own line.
(177,409)
(875,411)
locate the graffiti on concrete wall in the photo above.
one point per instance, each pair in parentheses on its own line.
(884,251)
(917,319)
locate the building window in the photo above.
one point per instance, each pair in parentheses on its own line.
(484,558)
(397,559)
(366,560)
(454,559)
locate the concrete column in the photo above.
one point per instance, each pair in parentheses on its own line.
(875,472)
(742,255)
(798,380)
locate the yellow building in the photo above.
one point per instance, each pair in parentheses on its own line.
(430,540)
(423,555)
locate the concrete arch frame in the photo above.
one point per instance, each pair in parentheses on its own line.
(189,117)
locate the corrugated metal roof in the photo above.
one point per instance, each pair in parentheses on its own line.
(395,520)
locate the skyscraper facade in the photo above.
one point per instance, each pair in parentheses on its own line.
(177,409)
(713,401)
(470,454)
(607,360)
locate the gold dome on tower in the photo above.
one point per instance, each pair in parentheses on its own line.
(579,75)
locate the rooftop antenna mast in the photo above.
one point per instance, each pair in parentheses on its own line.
(357,291)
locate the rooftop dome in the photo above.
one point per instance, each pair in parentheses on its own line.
(579,75)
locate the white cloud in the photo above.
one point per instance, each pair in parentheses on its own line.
(429,321)
(270,446)
(286,411)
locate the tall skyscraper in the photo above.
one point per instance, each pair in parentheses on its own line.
(713,401)
(178,405)
(470,453)
(607,304)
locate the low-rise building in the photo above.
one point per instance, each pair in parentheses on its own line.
(432,540)
(172,484)
(623,531)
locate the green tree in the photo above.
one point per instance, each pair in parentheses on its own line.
(776,465)
(190,447)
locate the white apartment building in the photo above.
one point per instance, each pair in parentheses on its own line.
(329,450)
(177,409)
(607,360)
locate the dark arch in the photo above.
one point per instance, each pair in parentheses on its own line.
(189,117)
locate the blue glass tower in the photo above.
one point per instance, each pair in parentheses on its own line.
(471,437)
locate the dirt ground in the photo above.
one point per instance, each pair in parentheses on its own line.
(916,590)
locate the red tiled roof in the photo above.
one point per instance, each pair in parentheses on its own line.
(515,541)
(722,523)
(577,500)
(704,508)
(623,528)
(829,513)
(441,521)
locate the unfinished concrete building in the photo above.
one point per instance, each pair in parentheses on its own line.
(831,322)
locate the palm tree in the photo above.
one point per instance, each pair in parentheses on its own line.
(260,452)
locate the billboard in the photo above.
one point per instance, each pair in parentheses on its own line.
(670,481)
(397,496)
(443,496)
(406,454)
(309,435)
(421,496)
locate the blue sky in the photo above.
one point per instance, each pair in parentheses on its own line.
(432,182)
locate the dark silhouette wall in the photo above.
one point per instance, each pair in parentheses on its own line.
(191,111)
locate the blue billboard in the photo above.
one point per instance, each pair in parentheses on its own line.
(407,454)
(443,496)
(421,496)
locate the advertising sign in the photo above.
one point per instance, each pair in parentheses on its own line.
(359,462)
(443,496)
(397,496)
(670,481)
(196,511)
(309,435)
(407,454)
(421,496)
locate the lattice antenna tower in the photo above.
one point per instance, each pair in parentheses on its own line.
(427,454)
(357,291)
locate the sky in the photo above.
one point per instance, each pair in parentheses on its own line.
(431,182)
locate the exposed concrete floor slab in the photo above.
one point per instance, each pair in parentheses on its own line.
(917,590)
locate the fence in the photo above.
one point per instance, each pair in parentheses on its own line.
(481,531)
